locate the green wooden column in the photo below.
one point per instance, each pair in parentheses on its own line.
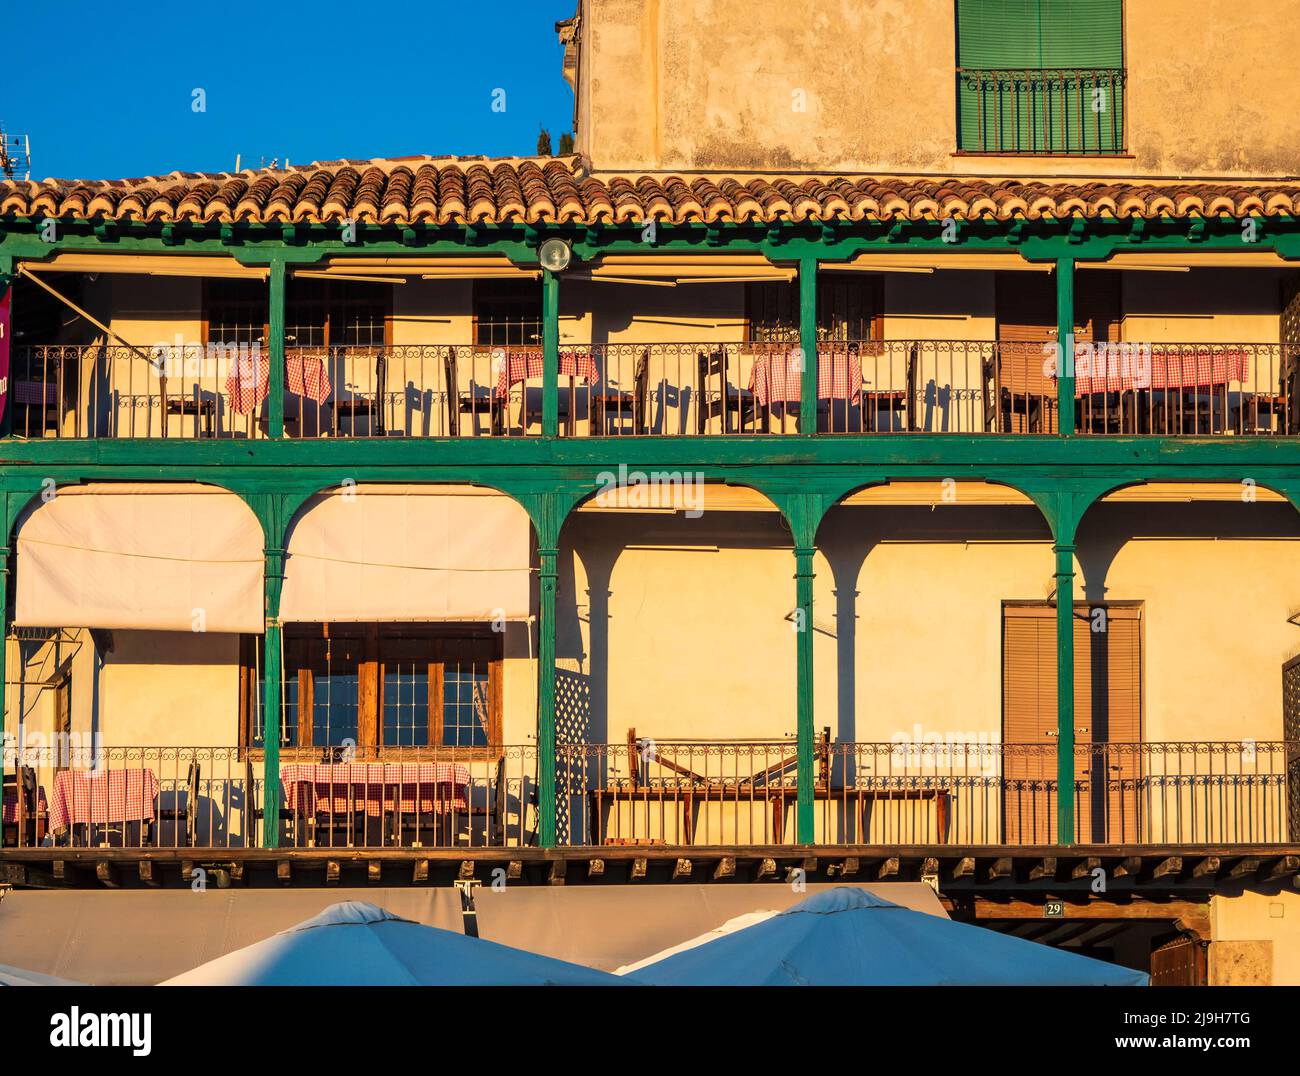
(272,652)
(548,510)
(273,511)
(803,512)
(808,344)
(1064,551)
(550,354)
(275,351)
(1065,342)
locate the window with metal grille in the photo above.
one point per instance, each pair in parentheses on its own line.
(1040,77)
(318,313)
(848,310)
(380,686)
(507,313)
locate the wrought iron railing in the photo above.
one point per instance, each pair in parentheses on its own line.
(215,797)
(990,794)
(1071,111)
(413,797)
(661,390)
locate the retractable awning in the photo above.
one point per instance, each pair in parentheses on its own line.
(164,556)
(408,553)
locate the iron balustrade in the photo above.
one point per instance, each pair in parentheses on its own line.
(743,793)
(1065,111)
(739,793)
(678,792)
(89,795)
(409,797)
(695,389)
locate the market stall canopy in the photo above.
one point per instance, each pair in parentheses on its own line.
(408,553)
(849,937)
(154,556)
(357,944)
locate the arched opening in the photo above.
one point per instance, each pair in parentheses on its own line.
(676,672)
(129,603)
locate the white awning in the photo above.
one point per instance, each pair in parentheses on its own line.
(164,556)
(408,553)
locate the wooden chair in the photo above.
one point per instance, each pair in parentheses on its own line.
(254,813)
(368,406)
(714,394)
(617,405)
(464,402)
(1023,395)
(28,828)
(204,409)
(37,408)
(189,813)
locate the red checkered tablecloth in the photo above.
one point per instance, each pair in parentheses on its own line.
(1123,369)
(83,797)
(324,788)
(10,814)
(250,377)
(523,365)
(778,378)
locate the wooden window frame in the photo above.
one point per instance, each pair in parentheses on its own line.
(370,688)
(482,292)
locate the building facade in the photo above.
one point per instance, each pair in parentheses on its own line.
(868,462)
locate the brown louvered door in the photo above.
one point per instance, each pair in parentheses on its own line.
(1026,318)
(1107,709)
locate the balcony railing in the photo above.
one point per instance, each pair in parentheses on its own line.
(744,793)
(698,389)
(1074,111)
(215,797)
(736,793)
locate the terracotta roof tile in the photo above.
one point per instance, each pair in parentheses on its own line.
(460,190)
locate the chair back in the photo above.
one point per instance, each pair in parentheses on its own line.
(453,391)
(378,423)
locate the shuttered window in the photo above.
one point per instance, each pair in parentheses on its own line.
(1107,716)
(1040,76)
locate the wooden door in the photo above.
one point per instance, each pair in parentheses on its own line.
(1107,718)
(1026,319)
(1180,962)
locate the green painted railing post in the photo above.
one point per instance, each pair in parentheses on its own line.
(808,344)
(548,518)
(550,354)
(1065,343)
(1064,550)
(271,672)
(275,352)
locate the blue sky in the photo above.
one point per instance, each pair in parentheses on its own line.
(112,97)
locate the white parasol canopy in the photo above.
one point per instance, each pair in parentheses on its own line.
(356,944)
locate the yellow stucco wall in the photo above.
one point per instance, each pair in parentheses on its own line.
(695,84)
(1256,938)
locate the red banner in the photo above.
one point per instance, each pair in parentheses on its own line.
(4,348)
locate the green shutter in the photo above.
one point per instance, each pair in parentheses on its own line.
(1025,110)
